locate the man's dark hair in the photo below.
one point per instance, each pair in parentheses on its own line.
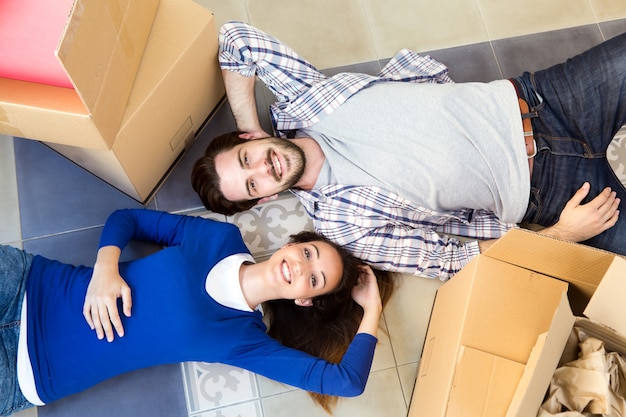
(206,182)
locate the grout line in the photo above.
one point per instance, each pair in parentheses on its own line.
(495,56)
(368,22)
(65,232)
(593,11)
(482,20)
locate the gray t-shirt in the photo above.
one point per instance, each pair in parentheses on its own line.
(442,146)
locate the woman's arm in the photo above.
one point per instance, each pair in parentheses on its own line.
(158,227)
(265,356)
(106,286)
(367,296)
(299,369)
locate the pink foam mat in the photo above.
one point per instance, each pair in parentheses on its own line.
(29,34)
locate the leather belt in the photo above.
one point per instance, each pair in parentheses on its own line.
(529,139)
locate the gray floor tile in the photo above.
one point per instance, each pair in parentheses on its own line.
(613,28)
(154,392)
(56,195)
(469,63)
(80,247)
(539,51)
(371,68)
(9,205)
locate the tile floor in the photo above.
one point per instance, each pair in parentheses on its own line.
(52,207)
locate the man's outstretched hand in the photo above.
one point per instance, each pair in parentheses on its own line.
(579,222)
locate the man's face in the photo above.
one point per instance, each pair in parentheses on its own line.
(259,168)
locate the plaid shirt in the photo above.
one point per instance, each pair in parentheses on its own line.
(378,226)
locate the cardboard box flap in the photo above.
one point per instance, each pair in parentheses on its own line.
(483,384)
(501,301)
(101,50)
(542,361)
(613,342)
(557,258)
(582,266)
(610,293)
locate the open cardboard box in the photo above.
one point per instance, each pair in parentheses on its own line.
(129,124)
(178,85)
(498,328)
(100,51)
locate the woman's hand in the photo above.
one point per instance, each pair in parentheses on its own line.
(106,286)
(366,294)
(579,222)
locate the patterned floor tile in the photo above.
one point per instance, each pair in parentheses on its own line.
(616,154)
(211,386)
(266,227)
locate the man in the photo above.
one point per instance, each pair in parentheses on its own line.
(389,168)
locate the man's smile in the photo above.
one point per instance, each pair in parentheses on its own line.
(276,166)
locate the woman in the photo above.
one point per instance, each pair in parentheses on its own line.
(194,300)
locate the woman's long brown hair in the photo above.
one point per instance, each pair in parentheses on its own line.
(326,329)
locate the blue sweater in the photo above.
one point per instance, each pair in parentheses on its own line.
(173,317)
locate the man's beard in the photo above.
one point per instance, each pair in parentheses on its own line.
(294,158)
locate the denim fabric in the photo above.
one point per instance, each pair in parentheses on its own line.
(14,268)
(578,107)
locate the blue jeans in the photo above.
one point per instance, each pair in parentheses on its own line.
(14,268)
(577,107)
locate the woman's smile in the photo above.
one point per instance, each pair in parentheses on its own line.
(286,272)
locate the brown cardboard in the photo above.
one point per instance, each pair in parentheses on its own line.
(499,327)
(177,86)
(101,50)
(477,370)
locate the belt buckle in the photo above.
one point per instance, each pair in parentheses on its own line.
(527,135)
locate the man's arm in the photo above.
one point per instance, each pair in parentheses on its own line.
(247,53)
(579,222)
(415,251)
(391,233)
(240,93)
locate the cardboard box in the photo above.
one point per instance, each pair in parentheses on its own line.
(101,49)
(498,328)
(178,85)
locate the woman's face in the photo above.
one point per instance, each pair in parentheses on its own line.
(301,271)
